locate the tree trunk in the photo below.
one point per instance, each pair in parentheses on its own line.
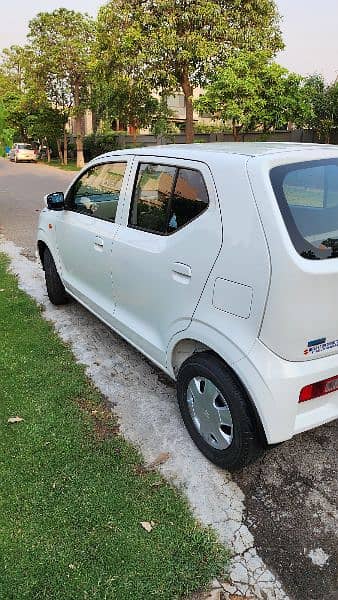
(94,121)
(58,141)
(133,131)
(65,146)
(234,130)
(189,111)
(48,152)
(78,127)
(79,142)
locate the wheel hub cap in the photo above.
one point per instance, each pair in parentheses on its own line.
(210,413)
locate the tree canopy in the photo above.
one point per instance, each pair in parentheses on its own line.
(124,65)
(322,106)
(61,45)
(177,45)
(252,91)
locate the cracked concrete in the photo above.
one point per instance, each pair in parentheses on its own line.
(145,402)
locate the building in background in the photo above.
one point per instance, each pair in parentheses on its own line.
(175,103)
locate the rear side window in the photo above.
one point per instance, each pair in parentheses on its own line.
(307,194)
(189,199)
(166,198)
(151,197)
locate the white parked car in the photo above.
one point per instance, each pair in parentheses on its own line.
(219,262)
(22,152)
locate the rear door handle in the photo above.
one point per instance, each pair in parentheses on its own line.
(181,269)
(98,242)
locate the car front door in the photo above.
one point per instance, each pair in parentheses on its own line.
(164,250)
(85,233)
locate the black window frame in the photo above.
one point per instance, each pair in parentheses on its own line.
(277,175)
(177,170)
(69,200)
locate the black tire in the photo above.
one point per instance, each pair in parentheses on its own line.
(55,288)
(246,445)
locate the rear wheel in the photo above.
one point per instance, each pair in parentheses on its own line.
(217,413)
(55,288)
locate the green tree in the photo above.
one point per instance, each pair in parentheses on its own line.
(45,123)
(333,103)
(16,112)
(126,100)
(251,91)
(161,123)
(6,132)
(177,45)
(322,103)
(15,65)
(14,69)
(281,95)
(61,45)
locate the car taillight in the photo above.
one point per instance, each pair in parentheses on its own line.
(17,151)
(319,388)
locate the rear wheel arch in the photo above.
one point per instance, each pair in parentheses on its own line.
(247,441)
(186,348)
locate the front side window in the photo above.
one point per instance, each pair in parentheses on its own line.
(166,198)
(307,194)
(97,192)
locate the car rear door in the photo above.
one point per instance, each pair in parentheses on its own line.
(168,241)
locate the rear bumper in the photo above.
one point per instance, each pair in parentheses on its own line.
(274,385)
(24,158)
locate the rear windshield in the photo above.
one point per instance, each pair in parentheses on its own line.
(25,147)
(307,194)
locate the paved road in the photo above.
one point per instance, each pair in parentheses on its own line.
(22,187)
(290,495)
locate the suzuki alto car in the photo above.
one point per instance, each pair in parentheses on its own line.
(22,152)
(219,262)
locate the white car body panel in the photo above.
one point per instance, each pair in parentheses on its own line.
(157,274)
(310,309)
(85,249)
(250,298)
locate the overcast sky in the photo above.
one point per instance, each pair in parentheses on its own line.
(309,29)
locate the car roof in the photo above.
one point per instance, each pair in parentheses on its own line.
(242,148)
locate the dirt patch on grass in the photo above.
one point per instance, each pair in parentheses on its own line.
(104,421)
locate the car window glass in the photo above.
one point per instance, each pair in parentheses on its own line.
(190,198)
(307,194)
(151,196)
(97,192)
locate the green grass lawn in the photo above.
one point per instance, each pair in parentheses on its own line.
(71,166)
(72,491)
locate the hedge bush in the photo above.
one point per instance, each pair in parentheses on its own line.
(99,143)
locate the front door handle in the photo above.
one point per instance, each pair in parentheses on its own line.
(182,269)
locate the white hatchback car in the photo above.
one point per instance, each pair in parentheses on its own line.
(22,152)
(219,262)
